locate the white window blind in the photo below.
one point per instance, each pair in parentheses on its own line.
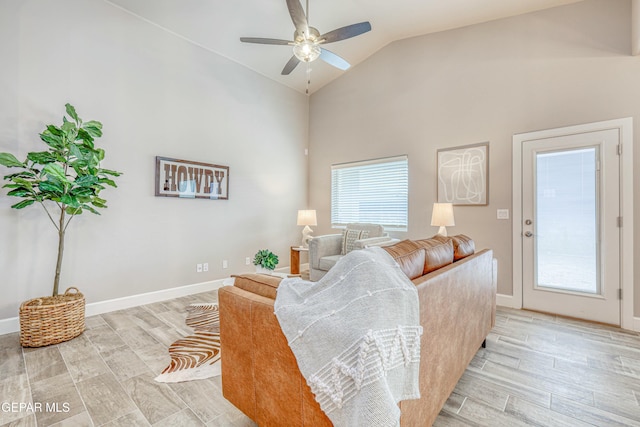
(372,191)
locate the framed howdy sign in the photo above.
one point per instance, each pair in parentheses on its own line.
(192,180)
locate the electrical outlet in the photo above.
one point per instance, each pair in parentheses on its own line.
(205,266)
(224,263)
(199,268)
(247,261)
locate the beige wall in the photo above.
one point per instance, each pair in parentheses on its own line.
(487,82)
(156,94)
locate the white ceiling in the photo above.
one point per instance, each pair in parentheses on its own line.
(217,26)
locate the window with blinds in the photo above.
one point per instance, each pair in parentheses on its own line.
(371,191)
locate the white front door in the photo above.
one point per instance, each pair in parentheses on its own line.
(570,229)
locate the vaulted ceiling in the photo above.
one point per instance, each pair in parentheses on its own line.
(217,25)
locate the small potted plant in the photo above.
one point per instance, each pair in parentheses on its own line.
(65,180)
(265,261)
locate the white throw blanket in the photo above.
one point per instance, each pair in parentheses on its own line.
(356,337)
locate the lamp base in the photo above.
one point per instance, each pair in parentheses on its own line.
(442,231)
(306,236)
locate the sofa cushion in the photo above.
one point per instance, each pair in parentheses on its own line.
(437,253)
(412,263)
(463,246)
(409,255)
(349,238)
(401,248)
(259,284)
(326,262)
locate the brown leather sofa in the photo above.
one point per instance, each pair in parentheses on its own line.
(457,292)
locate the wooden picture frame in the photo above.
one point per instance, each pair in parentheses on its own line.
(463,175)
(191,180)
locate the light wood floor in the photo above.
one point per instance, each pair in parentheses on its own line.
(536,370)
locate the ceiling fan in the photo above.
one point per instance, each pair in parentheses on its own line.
(307,40)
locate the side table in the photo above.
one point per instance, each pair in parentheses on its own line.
(295,258)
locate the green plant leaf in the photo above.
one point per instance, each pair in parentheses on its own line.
(73,211)
(108,182)
(110,172)
(71,111)
(20,192)
(69,200)
(21,174)
(23,204)
(51,186)
(90,209)
(85,137)
(93,128)
(42,157)
(23,182)
(9,160)
(51,139)
(56,171)
(98,202)
(86,180)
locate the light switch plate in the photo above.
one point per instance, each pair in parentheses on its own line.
(503,214)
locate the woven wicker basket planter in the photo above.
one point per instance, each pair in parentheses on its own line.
(52,320)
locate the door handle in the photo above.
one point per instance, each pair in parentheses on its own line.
(528,234)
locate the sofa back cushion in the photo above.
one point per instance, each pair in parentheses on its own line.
(259,284)
(463,246)
(437,253)
(409,255)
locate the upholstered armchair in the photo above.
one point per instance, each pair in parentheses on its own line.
(325,251)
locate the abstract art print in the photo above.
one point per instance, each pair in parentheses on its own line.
(463,175)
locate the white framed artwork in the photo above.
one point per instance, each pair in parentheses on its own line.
(463,175)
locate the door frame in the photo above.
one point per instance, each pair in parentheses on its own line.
(625,128)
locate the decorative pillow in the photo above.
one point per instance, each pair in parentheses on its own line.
(463,246)
(437,253)
(349,237)
(259,284)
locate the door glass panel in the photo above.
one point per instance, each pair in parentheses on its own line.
(566,233)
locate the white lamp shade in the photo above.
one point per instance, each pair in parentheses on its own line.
(307,217)
(442,215)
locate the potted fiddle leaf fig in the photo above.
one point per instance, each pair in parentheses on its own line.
(265,260)
(65,180)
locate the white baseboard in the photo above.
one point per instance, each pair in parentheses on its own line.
(12,324)
(636,324)
(506,301)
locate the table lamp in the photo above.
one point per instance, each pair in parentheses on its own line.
(307,218)
(442,216)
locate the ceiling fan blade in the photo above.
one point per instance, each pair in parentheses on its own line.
(333,59)
(298,17)
(291,65)
(261,40)
(346,32)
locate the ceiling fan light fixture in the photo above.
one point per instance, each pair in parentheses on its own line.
(306,51)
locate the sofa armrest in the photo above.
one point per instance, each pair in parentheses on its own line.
(321,246)
(374,241)
(257,362)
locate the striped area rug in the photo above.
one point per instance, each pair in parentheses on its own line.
(197,356)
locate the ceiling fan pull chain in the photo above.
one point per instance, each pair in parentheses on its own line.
(308,76)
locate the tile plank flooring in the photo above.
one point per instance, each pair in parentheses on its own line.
(537,370)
